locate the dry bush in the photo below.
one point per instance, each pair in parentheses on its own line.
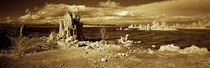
(33,45)
(12,33)
(52,37)
(22,45)
(17,42)
(10,30)
(103,33)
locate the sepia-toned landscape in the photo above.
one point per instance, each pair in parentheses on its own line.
(105,34)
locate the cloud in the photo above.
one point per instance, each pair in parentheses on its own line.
(8,17)
(30,16)
(173,7)
(51,12)
(58,9)
(109,3)
(54,12)
(6,20)
(112,12)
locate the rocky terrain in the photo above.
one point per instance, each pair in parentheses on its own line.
(94,55)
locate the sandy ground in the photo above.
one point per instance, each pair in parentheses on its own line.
(122,57)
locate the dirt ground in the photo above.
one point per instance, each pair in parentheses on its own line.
(123,57)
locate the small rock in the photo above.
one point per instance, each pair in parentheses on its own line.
(129,48)
(104,59)
(150,51)
(122,54)
(138,42)
(134,50)
(86,52)
(153,46)
(89,47)
(82,45)
(130,51)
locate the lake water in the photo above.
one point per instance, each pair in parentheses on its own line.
(182,37)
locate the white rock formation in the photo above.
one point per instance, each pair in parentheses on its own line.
(70,29)
(188,50)
(126,42)
(194,49)
(170,47)
(155,26)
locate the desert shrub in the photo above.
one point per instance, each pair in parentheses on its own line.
(17,42)
(21,44)
(33,45)
(11,32)
(52,37)
(103,33)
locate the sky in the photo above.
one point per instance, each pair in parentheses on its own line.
(18,7)
(103,11)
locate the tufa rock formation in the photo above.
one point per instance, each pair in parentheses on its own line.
(71,28)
